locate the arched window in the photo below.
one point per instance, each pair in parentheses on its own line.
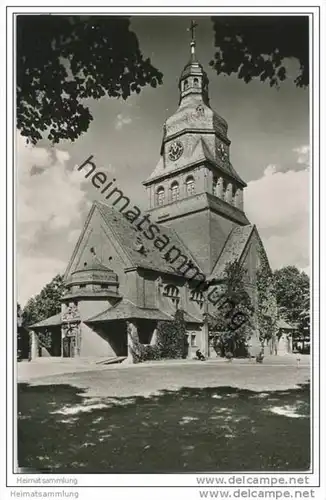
(197,297)
(160,196)
(185,85)
(229,193)
(190,186)
(175,191)
(196,82)
(172,292)
(193,340)
(224,188)
(214,185)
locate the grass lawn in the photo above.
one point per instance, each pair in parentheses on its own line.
(186,430)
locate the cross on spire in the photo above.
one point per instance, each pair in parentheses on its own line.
(192,29)
(193,26)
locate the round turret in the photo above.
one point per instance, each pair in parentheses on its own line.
(93,279)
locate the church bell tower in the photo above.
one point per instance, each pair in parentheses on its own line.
(194,188)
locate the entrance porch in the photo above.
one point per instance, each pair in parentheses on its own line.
(112,325)
(105,335)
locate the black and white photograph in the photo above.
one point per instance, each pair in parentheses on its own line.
(165,301)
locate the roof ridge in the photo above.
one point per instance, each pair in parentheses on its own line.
(235,230)
(34,325)
(252,227)
(192,316)
(123,232)
(222,250)
(105,310)
(262,245)
(128,309)
(124,249)
(173,231)
(80,239)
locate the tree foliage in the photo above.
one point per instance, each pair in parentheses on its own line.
(171,336)
(64,60)
(170,342)
(141,352)
(304,320)
(257,46)
(19,313)
(266,300)
(22,334)
(231,323)
(293,296)
(47,303)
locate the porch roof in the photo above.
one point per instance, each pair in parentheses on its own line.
(281,324)
(51,321)
(125,309)
(189,318)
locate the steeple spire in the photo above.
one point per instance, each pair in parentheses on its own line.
(193,26)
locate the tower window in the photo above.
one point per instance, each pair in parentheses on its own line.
(197,297)
(196,82)
(225,185)
(160,196)
(175,191)
(229,193)
(190,186)
(185,85)
(214,185)
(172,292)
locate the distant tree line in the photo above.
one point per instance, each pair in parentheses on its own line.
(45,304)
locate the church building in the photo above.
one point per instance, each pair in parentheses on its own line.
(120,273)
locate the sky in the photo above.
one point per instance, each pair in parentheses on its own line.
(269,133)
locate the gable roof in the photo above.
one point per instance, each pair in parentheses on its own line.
(233,248)
(126,233)
(51,321)
(190,318)
(125,309)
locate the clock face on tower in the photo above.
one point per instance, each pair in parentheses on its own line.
(175,150)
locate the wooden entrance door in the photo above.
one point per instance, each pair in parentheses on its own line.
(68,347)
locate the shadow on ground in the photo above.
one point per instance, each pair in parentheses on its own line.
(211,429)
